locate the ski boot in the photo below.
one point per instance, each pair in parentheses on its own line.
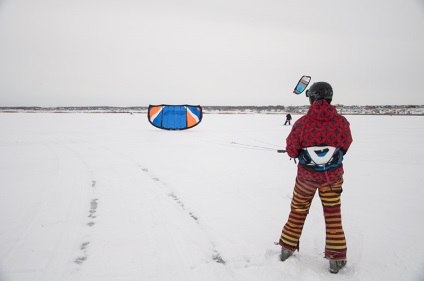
(285,254)
(335,266)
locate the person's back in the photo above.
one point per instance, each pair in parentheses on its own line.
(322,125)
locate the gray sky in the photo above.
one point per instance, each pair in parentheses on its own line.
(209,52)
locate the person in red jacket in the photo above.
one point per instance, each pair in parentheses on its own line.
(319,140)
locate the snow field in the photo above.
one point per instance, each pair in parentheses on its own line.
(109,197)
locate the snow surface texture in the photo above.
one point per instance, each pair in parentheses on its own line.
(109,197)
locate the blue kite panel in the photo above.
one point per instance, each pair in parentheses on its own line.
(174,117)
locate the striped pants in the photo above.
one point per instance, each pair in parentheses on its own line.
(304,192)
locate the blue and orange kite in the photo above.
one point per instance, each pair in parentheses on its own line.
(174,117)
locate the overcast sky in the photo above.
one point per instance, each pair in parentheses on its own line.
(209,52)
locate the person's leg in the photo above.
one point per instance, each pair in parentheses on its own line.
(301,202)
(335,244)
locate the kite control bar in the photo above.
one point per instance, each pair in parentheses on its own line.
(281,151)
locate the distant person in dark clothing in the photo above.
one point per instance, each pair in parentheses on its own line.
(288,118)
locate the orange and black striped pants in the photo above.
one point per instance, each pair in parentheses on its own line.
(304,192)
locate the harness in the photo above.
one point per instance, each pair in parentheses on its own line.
(320,158)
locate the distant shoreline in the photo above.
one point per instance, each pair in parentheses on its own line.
(409,110)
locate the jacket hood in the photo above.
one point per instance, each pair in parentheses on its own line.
(322,110)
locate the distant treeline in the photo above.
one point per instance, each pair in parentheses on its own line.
(344,109)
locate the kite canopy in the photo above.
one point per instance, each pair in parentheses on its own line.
(174,117)
(302,84)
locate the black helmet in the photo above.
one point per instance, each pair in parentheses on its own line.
(319,91)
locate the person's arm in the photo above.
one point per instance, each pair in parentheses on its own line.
(293,141)
(347,137)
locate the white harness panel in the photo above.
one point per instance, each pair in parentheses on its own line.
(320,154)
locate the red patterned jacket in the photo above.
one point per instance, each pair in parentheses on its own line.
(322,125)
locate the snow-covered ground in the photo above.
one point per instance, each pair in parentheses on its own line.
(109,197)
